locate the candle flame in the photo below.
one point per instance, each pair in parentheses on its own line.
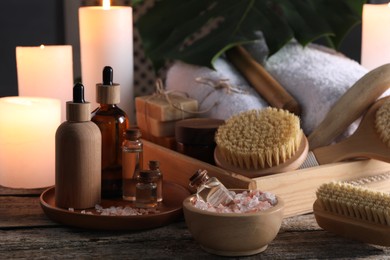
(42,46)
(106,4)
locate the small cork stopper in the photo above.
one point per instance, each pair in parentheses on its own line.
(198,177)
(153,164)
(146,176)
(133,134)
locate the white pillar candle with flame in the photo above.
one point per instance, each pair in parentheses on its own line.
(27,133)
(375,35)
(46,71)
(106,39)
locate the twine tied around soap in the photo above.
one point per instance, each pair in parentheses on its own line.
(161,92)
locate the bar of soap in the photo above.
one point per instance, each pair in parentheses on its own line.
(158,107)
(154,127)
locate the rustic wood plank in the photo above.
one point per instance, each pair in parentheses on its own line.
(173,241)
(22,212)
(22,192)
(25,232)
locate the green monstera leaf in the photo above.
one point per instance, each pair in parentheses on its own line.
(172,29)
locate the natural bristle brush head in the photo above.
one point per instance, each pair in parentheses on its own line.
(354,212)
(382,122)
(260,140)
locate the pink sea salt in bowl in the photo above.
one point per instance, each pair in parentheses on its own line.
(233,234)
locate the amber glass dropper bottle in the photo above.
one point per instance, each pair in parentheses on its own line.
(112,122)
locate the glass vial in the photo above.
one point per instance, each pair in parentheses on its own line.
(146,190)
(132,159)
(154,167)
(112,122)
(210,190)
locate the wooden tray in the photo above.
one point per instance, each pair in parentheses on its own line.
(169,211)
(297,188)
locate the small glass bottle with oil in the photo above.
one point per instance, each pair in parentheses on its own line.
(210,190)
(132,161)
(154,167)
(146,190)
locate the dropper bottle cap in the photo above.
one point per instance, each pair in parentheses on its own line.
(108,92)
(78,110)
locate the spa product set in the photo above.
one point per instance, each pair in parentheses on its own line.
(269,147)
(99,157)
(260,145)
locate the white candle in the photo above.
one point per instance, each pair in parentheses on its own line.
(27,134)
(106,39)
(375,35)
(46,71)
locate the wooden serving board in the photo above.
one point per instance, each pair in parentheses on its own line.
(297,188)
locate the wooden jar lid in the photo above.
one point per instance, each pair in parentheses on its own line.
(108,94)
(197,131)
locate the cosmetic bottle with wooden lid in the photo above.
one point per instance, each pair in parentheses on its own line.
(112,122)
(78,156)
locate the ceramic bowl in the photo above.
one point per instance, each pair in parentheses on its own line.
(233,234)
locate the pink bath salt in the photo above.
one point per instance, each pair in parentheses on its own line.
(245,202)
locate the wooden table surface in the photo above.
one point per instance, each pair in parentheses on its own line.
(26,232)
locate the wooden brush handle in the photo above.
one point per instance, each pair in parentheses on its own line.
(347,149)
(262,81)
(351,105)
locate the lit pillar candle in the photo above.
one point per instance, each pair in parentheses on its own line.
(375,35)
(46,71)
(27,134)
(106,39)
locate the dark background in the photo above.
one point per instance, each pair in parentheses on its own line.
(26,23)
(36,22)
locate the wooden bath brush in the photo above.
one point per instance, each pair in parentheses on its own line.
(370,140)
(351,106)
(354,212)
(261,142)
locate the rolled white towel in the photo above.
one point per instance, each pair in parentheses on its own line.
(315,75)
(219,103)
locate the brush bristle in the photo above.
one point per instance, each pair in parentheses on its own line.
(257,139)
(356,202)
(382,122)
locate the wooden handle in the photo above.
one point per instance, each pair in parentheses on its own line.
(350,106)
(347,149)
(364,143)
(262,81)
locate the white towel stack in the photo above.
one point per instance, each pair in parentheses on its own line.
(316,76)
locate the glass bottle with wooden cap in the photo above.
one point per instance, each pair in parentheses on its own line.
(112,122)
(210,190)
